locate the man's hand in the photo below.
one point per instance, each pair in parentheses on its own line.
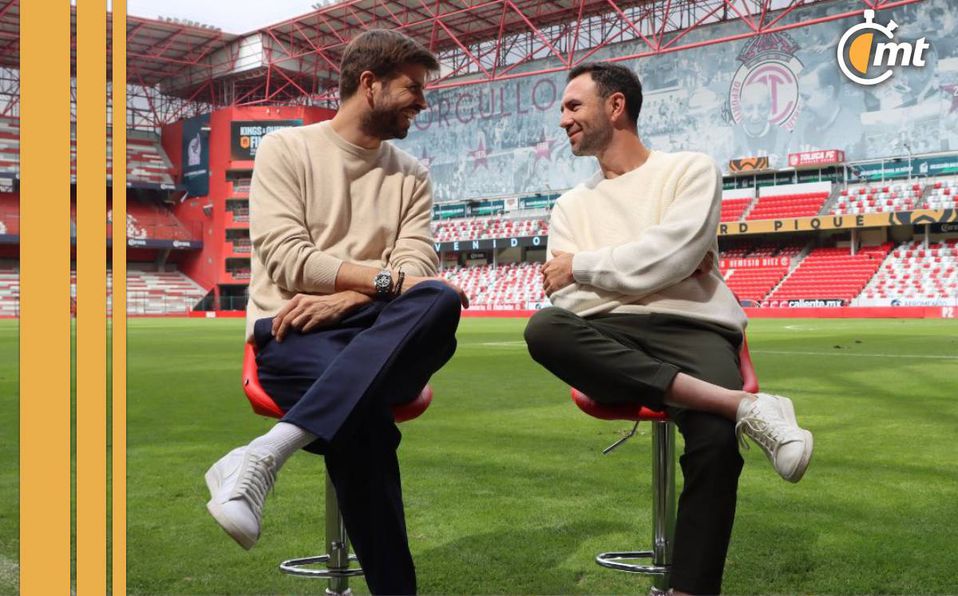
(557,273)
(306,311)
(411,281)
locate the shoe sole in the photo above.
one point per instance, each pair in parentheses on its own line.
(213,481)
(806,458)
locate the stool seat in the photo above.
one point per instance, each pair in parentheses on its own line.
(264,405)
(631,412)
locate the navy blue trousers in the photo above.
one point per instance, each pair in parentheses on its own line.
(338,383)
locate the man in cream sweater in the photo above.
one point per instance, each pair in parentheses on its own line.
(642,315)
(344,306)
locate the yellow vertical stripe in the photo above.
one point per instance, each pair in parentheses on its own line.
(91,518)
(45,297)
(119,297)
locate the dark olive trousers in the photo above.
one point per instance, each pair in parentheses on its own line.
(626,358)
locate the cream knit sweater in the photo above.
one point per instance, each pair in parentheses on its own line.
(317,200)
(638,238)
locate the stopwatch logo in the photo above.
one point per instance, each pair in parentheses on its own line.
(864,51)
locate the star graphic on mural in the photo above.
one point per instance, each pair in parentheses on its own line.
(543,148)
(479,155)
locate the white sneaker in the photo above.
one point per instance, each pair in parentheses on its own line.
(238,486)
(770,422)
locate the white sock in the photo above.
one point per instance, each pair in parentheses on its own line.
(284,439)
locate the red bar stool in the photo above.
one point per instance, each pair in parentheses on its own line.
(337,558)
(663,477)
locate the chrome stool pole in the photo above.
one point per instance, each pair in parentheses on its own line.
(337,557)
(663,513)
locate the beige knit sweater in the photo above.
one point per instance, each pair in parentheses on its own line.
(637,239)
(317,200)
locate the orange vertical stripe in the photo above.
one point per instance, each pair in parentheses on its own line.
(45,297)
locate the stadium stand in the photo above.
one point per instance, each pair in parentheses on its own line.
(751,273)
(778,206)
(942,194)
(865,198)
(146,162)
(734,209)
(511,285)
(9,215)
(157,222)
(735,203)
(152,292)
(9,291)
(9,146)
(482,228)
(148,292)
(830,274)
(912,272)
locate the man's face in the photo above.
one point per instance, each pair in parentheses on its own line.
(396,102)
(756,106)
(585,117)
(816,100)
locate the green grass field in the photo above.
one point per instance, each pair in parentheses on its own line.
(506,489)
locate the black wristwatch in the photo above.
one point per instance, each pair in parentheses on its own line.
(383,283)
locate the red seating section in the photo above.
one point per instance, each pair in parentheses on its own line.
(734,209)
(790,205)
(752,273)
(831,273)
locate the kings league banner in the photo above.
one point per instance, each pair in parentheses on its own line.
(754,96)
(196,156)
(246,136)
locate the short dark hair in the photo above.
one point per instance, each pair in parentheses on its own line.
(614,78)
(826,75)
(382,52)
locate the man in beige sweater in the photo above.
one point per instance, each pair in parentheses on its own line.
(345,310)
(641,314)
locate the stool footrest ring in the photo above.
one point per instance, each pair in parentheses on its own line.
(298,567)
(613,560)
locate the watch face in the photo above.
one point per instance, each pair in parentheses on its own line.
(383,282)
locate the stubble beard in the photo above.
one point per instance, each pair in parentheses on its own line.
(384,124)
(592,142)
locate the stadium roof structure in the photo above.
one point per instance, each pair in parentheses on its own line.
(175,69)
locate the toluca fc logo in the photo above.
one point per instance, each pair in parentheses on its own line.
(858,49)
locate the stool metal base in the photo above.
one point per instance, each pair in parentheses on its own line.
(301,568)
(613,560)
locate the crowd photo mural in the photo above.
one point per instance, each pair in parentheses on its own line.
(767,95)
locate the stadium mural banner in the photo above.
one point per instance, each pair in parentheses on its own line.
(196,156)
(769,96)
(748,164)
(246,135)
